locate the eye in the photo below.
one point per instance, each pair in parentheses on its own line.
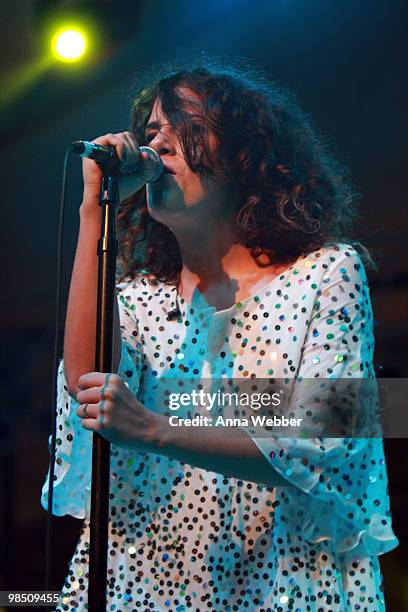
(149,137)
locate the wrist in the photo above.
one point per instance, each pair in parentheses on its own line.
(90,208)
(163,434)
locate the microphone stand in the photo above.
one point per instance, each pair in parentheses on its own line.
(107,252)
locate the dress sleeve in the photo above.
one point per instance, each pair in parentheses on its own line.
(340,484)
(73,458)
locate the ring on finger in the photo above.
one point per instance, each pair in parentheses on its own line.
(86,415)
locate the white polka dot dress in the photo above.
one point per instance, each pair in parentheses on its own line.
(182,538)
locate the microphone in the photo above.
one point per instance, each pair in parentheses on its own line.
(148,170)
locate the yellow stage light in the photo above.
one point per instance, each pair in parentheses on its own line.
(69,44)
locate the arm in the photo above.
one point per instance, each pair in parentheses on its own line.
(338,349)
(114,412)
(219,450)
(80,324)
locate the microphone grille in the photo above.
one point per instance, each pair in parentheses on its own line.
(77,146)
(156,162)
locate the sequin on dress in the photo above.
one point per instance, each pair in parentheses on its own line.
(182,538)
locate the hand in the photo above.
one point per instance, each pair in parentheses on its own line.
(113,412)
(127,150)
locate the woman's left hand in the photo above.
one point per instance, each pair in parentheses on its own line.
(109,408)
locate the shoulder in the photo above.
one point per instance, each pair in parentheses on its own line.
(341,283)
(337,276)
(338,261)
(333,254)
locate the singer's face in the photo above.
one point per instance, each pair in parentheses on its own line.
(179,194)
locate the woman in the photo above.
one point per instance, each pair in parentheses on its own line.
(235,265)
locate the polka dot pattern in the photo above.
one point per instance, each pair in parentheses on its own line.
(183,538)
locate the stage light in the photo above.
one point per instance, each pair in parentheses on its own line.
(69,44)
(105,25)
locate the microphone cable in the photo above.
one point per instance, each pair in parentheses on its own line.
(52,447)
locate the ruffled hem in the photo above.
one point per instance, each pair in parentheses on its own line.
(73,457)
(326,507)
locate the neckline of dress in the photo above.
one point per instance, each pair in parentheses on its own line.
(238,305)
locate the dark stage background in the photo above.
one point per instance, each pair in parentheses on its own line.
(344,60)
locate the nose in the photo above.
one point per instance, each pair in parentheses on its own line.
(162,144)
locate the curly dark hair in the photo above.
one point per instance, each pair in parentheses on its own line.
(294,198)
